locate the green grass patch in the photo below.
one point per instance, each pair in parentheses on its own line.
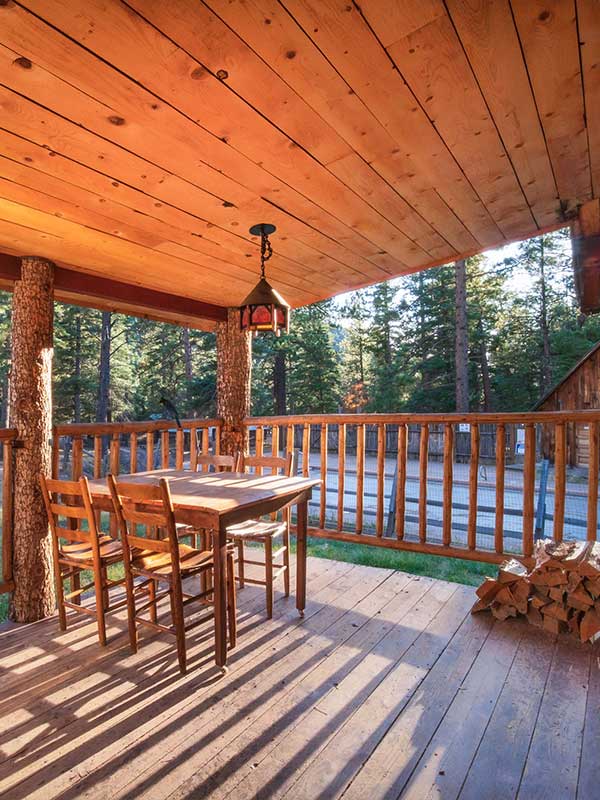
(457,570)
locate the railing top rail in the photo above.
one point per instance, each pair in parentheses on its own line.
(107,428)
(8,434)
(509,418)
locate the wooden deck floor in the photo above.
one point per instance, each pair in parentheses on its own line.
(388,688)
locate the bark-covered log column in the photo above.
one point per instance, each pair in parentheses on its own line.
(234,366)
(31,413)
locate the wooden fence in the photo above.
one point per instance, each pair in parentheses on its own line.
(327,442)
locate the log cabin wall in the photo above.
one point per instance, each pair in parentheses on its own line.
(579,390)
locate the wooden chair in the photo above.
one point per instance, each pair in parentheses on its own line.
(265,531)
(162,561)
(76,549)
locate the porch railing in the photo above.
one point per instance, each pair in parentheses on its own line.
(97,449)
(8,440)
(474,486)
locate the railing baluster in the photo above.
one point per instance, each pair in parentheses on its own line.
(179,448)
(259,446)
(306,450)
(275,440)
(473,474)
(448,479)
(289,440)
(77,456)
(205,442)
(592,511)
(341,474)
(55,455)
(150,450)
(164,448)
(560,480)
(500,467)
(423,464)
(323,489)
(115,454)
(528,489)
(360,476)
(97,456)
(194,448)
(380,478)
(133,452)
(401,481)
(7,512)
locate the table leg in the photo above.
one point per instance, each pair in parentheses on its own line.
(220,596)
(301,523)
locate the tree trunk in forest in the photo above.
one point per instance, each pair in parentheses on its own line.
(102,406)
(544,328)
(462,339)
(77,371)
(31,414)
(279,383)
(187,353)
(485,370)
(234,369)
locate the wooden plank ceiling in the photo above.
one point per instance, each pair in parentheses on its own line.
(140,140)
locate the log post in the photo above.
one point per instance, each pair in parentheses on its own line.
(30,399)
(234,368)
(585,241)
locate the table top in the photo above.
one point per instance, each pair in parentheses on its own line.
(218,492)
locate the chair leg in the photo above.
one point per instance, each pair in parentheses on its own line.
(269,575)
(105,594)
(240,550)
(99,590)
(152,598)
(231,605)
(76,585)
(60,597)
(133,640)
(179,623)
(286,561)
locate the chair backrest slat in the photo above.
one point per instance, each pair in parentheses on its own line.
(219,463)
(148,504)
(71,500)
(277,464)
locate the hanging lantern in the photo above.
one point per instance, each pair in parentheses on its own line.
(264,309)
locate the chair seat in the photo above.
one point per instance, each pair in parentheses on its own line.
(256,529)
(190,560)
(82,551)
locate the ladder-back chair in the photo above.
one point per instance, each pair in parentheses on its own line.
(162,562)
(265,531)
(75,549)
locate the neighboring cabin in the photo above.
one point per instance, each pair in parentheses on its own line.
(579,389)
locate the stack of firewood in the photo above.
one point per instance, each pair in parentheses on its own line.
(561,593)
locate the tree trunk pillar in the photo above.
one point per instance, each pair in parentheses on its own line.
(234,368)
(585,241)
(30,400)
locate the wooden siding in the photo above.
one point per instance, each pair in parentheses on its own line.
(579,390)
(140,141)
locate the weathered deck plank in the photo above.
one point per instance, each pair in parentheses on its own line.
(388,688)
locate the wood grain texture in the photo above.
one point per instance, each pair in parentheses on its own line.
(380,139)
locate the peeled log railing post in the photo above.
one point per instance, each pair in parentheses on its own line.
(30,401)
(234,364)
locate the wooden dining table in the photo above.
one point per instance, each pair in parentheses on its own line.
(214,501)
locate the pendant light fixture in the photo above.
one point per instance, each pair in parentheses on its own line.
(264,309)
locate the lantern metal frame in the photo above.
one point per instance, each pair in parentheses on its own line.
(264,310)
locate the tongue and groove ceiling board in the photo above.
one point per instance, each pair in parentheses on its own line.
(140,140)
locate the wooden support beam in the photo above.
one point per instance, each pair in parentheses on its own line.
(234,368)
(585,239)
(85,289)
(30,401)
